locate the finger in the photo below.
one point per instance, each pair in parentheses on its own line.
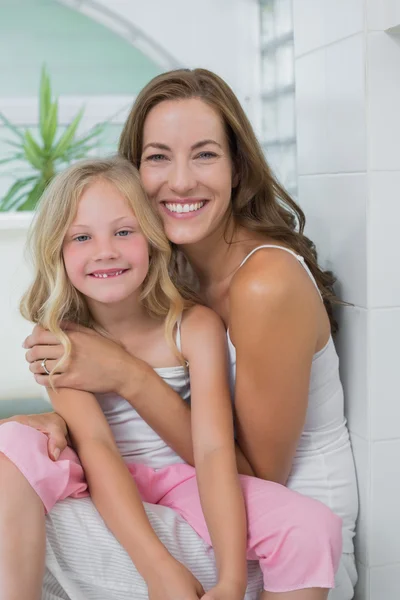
(58,381)
(56,444)
(40,337)
(38,368)
(42,352)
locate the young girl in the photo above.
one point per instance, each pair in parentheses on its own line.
(102,261)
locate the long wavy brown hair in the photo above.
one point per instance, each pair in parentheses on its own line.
(259,202)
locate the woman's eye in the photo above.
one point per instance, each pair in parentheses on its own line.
(206,155)
(156,157)
(123,233)
(81,238)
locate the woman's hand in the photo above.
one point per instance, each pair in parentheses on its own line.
(51,424)
(96,364)
(173,581)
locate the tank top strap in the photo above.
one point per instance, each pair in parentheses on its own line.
(178,339)
(298,257)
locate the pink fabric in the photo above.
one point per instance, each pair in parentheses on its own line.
(296,539)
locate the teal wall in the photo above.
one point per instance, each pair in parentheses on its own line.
(83,57)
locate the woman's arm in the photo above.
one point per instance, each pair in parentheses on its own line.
(99,365)
(204,346)
(275,319)
(112,488)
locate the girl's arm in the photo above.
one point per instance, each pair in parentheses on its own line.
(112,488)
(275,322)
(204,346)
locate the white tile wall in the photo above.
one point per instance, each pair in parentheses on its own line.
(385,503)
(383,14)
(352,346)
(383,53)
(383,242)
(385,376)
(320,23)
(361,451)
(310,77)
(331,108)
(335,208)
(385,582)
(362,589)
(346,105)
(348,116)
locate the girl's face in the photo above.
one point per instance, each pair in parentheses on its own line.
(186,168)
(106,256)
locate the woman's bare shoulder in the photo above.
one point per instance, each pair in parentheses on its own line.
(270,275)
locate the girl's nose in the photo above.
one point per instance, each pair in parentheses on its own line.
(106,250)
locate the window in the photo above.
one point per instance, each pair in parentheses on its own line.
(278,130)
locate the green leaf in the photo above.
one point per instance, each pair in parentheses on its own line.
(44,100)
(4,161)
(33,151)
(67,136)
(14,144)
(14,190)
(50,126)
(33,197)
(10,126)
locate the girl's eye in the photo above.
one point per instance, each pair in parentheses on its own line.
(123,233)
(81,238)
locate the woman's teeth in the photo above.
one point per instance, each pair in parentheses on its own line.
(184,208)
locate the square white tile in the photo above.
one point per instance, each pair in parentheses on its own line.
(384,375)
(311,115)
(383,81)
(346,142)
(308,25)
(383,14)
(343,18)
(361,452)
(383,243)
(385,582)
(335,208)
(385,503)
(352,346)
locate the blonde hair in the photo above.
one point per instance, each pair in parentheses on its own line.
(259,203)
(52,298)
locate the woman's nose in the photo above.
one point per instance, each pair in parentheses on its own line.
(182,179)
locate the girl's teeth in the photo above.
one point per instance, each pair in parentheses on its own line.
(184,208)
(105,275)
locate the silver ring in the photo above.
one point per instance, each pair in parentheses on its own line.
(43,364)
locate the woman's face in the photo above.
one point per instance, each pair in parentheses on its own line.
(186,168)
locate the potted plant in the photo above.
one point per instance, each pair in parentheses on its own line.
(44,157)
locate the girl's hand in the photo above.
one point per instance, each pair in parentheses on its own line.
(51,424)
(225,591)
(96,364)
(174,581)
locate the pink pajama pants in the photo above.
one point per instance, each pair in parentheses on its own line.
(297,540)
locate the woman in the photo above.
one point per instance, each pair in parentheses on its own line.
(238,240)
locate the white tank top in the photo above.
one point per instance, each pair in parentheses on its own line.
(137,441)
(323,466)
